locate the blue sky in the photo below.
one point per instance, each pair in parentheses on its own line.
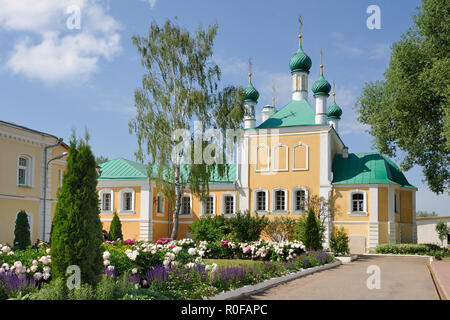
(56,79)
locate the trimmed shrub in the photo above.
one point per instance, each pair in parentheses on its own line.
(280,229)
(22,237)
(210,229)
(339,241)
(408,248)
(247,227)
(312,232)
(115,229)
(77,230)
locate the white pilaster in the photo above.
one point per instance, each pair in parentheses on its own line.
(325,181)
(321,109)
(249,117)
(373,217)
(334,123)
(300,86)
(146,225)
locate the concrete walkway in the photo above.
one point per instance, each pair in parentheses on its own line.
(400,278)
(442,273)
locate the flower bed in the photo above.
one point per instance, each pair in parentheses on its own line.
(409,248)
(168,268)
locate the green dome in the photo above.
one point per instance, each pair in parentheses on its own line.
(300,61)
(321,87)
(334,111)
(251,94)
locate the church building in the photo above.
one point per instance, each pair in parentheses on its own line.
(295,153)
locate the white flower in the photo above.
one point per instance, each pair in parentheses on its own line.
(47,269)
(38,276)
(10,253)
(192,251)
(106,255)
(33,268)
(106,262)
(110,268)
(47,251)
(214,267)
(5,266)
(18,265)
(176,249)
(34,263)
(166,262)
(175,263)
(46,275)
(134,271)
(207,267)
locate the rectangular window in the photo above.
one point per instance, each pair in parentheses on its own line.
(300,200)
(127,201)
(186,205)
(280,200)
(358,202)
(229,204)
(209,205)
(261,201)
(107,202)
(159,204)
(23,171)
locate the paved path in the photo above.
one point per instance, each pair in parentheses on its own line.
(401,278)
(442,272)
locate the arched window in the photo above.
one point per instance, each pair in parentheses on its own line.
(279,200)
(299,199)
(209,205)
(260,201)
(358,202)
(300,157)
(228,204)
(186,205)
(126,201)
(24,171)
(106,201)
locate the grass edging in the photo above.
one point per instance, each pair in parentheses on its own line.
(262,286)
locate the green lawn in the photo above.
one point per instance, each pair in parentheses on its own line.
(233,262)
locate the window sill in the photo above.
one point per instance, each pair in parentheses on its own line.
(279,212)
(262,212)
(232,215)
(300,212)
(106,212)
(127,212)
(159,214)
(25,186)
(185,216)
(358,214)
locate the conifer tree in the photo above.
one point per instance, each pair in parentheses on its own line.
(22,237)
(115,229)
(76,230)
(312,232)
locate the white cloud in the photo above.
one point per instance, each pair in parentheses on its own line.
(151,2)
(47,50)
(376,52)
(381,51)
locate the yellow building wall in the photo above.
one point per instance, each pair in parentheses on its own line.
(383,235)
(383,214)
(406,206)
(8,211)
(342,209)
(287,179)
(355,229)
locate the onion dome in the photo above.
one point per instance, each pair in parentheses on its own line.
(300,61)
(251,94)
(321,86)
(334,111)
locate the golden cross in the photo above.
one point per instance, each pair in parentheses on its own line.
(250,69)
(334,92)
(300,22)
(273,98)
(321,62)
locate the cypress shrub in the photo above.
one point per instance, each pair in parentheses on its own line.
(115,229)
(22,237)
(312,232)
(77,230)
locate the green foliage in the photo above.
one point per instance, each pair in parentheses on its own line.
(247,227)
(409,111)
(424,214)
(100,159)
(115,229)
(281,228)
(408,248)
(76,230)
(339,241)
(442,230)
(210,228)
(55,290)
(300,228)
(312,232)
(85,292)
(180,85)
(22,231)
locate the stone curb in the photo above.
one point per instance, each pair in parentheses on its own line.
(262,286)
(439,287)
(395,255)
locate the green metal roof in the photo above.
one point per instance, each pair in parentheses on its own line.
(334,111)
(321,86)
(251,94)
(295,113)
(122,169)
(366,168)
(300,61)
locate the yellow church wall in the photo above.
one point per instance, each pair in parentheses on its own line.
(355,229)
(130,229)
(406,233)
(383,214)
(383,236)
(137,203)
(342,204)
(289,179)
(406,206)
(8,211)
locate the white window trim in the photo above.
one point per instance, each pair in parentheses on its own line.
(133,199)
(228,194)
(190,206)
(160,214)
(100,195)
(350,204)
(255,201)
(203,207)
(286,200)
(293,199)
(30,170)
(257,158)
(286,168)
(306,168)
(30,222)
